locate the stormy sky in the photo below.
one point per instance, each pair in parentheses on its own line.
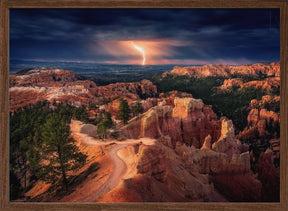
(167,36)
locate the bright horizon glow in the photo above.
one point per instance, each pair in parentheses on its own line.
(141,50)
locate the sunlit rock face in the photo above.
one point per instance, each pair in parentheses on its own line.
(189,121)
(227,143)
(196,121)
(199,72)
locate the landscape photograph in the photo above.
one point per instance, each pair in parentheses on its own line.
(144,105)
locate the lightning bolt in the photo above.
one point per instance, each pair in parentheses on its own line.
(141,50)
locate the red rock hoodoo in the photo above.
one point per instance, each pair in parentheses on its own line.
(190,121)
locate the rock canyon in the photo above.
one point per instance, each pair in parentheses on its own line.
(174,147)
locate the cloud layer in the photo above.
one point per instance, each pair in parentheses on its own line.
(169,36)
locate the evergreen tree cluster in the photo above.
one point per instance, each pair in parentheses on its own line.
(40,145)
(104,122)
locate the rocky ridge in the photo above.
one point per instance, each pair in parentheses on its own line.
(42,77)
(220,70)
(133,91)
(63,86)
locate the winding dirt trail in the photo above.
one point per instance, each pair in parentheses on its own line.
(119,165)
(119,169)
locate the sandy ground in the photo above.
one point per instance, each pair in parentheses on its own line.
(119,169)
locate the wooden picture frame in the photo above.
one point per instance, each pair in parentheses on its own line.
(5,5)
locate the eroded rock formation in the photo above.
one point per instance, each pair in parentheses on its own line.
(260,121)
(190,121)
(227,164)
(268,84)
(164,172)
(158,175)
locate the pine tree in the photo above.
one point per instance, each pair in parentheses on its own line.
(137,108)
(80,114)
(124,111)
(105,123)
(59,155)
(108,120)
(102,130)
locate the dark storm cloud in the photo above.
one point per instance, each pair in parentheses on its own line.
(211,35)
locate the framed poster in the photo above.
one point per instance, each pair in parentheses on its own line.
(114,105)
